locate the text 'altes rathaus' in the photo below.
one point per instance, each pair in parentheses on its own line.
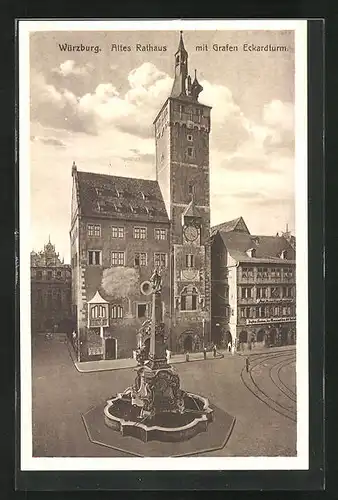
(122,228)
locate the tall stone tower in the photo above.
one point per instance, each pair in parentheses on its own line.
(182,130)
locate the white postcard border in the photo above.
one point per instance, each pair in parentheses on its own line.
(301,462)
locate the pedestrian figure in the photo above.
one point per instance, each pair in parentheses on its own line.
(247,363)
(214,349)
(187,356)
(205,352)
(229,346)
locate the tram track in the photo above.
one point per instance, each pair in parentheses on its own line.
(251,384)
(274,372)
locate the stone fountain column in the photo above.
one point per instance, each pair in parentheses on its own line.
(157,354)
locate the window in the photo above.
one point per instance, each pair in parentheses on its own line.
(287,291)
(140,233)
(275,272)
(275,292)
(94,230)
(247,272)
(160,234)
(140,259)
(246,293)
(59,274)
(261,293)
(160,259)
(98,312)
(116,312)
(189,260)
(141,310)
(49,275)
(265,272)
(117,232)
(94,257)
(245,312)
(39,275)
(189,137)
(190,152)
(189,299)
(261,312)
(117,259)
(190,189)
(284,254)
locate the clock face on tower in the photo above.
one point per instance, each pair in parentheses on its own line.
(191,233)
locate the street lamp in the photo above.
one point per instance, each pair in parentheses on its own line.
(203,329)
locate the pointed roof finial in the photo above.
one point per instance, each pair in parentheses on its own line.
(49,238)
(181,43)
(287,227)
(74,168)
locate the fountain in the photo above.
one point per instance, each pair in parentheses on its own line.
(155,407)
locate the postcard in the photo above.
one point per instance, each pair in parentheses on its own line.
(163,245)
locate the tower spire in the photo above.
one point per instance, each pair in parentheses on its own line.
(181,70)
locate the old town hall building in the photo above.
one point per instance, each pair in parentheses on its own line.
(122,228)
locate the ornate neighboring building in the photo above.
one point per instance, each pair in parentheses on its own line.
(253,286)
(122,228)
(50,291)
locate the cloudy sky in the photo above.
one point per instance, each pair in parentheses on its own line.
(97,109)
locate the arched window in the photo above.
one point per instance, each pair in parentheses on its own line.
(189,299)
(98,312)
(116,312)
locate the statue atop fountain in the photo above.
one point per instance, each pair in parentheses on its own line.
(156,407)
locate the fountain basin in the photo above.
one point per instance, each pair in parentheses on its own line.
(122,416)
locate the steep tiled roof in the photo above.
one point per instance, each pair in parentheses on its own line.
(120,197)
(230,225)
(267,248)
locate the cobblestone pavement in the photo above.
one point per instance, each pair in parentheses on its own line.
(262,400)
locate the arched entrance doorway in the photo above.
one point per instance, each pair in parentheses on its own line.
(260,335)
(272,337)
(228,340)
(243,336)
(187,343)
(284,336)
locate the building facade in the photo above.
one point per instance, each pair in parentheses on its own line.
(253,287)
(122,228)
(50,291)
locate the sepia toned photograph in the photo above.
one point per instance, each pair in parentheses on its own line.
(163,245)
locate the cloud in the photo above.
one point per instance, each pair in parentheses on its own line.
(238,163)
(278,114)
(52,141)
(70,67)
(58,108)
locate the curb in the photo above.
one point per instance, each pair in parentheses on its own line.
(71,353)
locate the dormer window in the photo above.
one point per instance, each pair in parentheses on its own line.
(284,254)
(118,193)
(178,59)
(189,137)
(251,252)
